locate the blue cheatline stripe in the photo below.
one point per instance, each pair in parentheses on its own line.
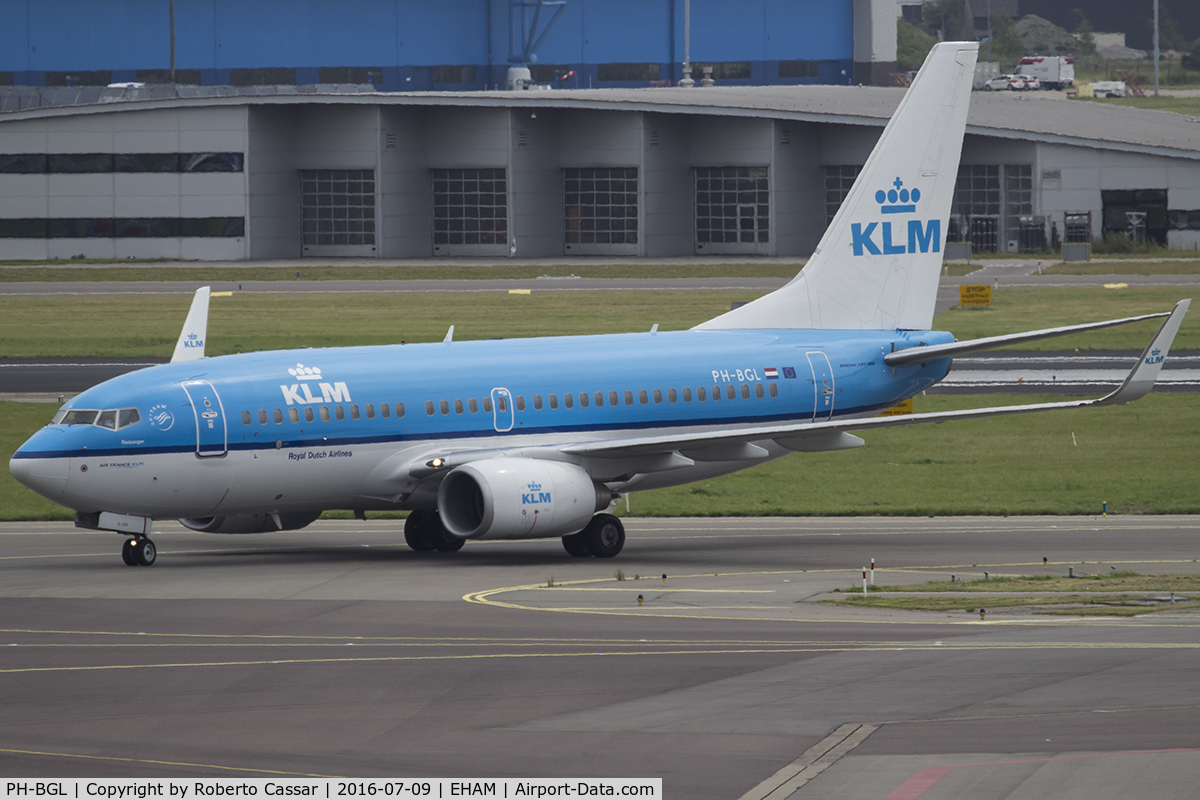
(435,436)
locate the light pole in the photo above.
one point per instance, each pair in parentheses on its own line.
(1156,48)
(172,2)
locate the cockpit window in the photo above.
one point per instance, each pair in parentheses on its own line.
(78,416)
(128,416)
(107,419)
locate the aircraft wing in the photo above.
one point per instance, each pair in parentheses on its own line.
(835,434)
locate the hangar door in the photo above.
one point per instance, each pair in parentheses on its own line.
(470,212)
(337,208)
(600,211)
(732,210)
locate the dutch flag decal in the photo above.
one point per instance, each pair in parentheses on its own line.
(771,373)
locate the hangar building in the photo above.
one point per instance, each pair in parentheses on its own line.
(283,172)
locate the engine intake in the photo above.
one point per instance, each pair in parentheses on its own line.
(518,498)
(251,523)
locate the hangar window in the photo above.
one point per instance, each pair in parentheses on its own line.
(146,162)
(799,69)
(1185,220)
(371,75)
(732,210)
(79,78)
(470,212)
(454,74)
(548,73)
(212,162)
(186,77)
(1137,213)
(22,163)
(338,211)
(22,229)
(725,70)
(618,73)
(600,209)
(79,162)
(838,180)
(161,228)
(271,76)
(975,215)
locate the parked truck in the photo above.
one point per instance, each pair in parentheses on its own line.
(1054,72)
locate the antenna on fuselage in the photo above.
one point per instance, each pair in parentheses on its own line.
(195,329)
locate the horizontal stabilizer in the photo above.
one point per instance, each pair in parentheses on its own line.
(926,353)
(195,329)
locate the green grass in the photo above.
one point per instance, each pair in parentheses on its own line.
(1084,606)
(14,272)
(1122,581)
(1138,458)
(1179,105)
(148,326)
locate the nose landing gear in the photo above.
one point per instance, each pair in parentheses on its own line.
(139,552)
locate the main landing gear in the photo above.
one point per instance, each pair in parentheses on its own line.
(139,552)
(423,530)
(603,537)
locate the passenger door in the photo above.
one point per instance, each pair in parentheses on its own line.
(502,409)
(822,374)
(209,414)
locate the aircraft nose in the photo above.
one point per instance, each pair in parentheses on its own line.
(46,476)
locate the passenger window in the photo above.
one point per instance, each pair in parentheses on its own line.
(293,415)
(612,399)
(745,392)
(583,400)
(658,396)
(774,390)
(429,407)
(520,402)
(384,410)
(262,416)
(599,397)
(487,405)
(353,412)
(628,397)
(339,412)
(672,396)
(324,413)
(107,419)
(245,417)
(554,401)
(758,390)
(473,405)
(399,410)
(458,406)
(370,411)
(643,398)
(716,393)
(537,402)
(128,416)
(730,392)
(687,395)
(308,414)
(278,417)
(701,395)
(502,403)
(568,400)
(445,408)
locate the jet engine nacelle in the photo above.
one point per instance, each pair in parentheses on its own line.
(251,523)
(518,498)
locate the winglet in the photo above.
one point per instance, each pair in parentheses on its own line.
(1141,378)
(191,339)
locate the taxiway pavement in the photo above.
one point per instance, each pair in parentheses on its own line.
(335,650)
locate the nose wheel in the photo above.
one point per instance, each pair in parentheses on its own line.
(139,552)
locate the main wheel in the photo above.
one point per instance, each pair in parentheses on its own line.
(576,545)
(605,536)
(443,540)
(145,553)
(416,531)
(127,553)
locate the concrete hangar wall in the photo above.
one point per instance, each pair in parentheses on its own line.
(420,45)
(663,172)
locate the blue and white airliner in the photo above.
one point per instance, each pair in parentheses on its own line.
(535,438)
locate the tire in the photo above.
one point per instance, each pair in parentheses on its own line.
(987,87)
(443,540)
(605,536)
(576,545)
(416,531)
(127,553)
(145,553)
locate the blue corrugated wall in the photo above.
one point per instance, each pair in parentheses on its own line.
(407,37)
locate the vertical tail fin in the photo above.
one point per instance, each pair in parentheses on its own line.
(195,328)
(877,266)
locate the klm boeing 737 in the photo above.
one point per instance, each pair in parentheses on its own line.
(478,444)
